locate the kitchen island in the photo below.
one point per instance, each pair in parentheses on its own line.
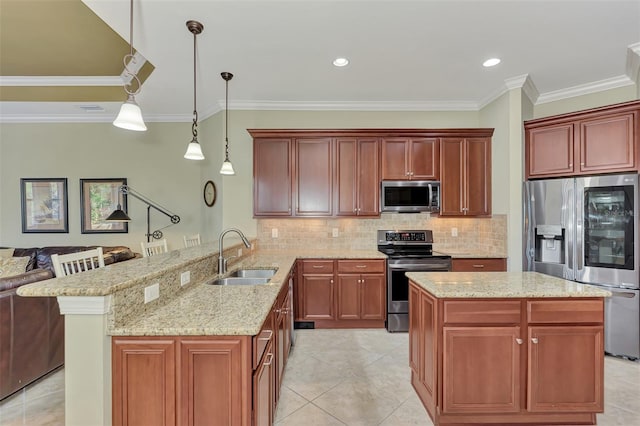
(506,347)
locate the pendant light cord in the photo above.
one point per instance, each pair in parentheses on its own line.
(226,121)
(194,126)
(130,58)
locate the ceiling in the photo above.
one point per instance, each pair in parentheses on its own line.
(405,55)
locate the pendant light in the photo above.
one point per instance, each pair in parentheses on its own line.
(130,116)
(194,151)
(227,167)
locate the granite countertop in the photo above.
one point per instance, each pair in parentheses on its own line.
(468,254)
(501,285)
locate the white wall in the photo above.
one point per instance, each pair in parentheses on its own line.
(592,100)
(152,162)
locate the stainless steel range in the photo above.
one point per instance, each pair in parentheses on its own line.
(407,251)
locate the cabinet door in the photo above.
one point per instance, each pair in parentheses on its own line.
(549,150)
(272,173)
(372,297)
(348,297)
(425,159)
(395,159)
(144,381)
(607,144)
(565,370)
(478,265)
(347,177)
(215,382)
(263,389)
(452,176)
(314,177)
(317,302)
(481,369)
(368,177)
(477,185)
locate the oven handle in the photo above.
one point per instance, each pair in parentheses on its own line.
(420,268)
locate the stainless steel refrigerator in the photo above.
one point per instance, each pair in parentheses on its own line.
(586,229)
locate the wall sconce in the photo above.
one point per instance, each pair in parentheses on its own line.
(130,116)
(119,215)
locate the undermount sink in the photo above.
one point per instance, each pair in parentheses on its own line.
(254,273)
(239,281)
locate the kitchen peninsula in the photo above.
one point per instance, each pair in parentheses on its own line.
(506,347)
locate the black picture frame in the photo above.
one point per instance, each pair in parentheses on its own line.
(44,205)
(99,197)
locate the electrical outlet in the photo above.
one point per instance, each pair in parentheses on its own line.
(454,232)
(274,232)
(335,232)
(151,292)
(185,277)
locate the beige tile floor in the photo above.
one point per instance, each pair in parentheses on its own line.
(340,377)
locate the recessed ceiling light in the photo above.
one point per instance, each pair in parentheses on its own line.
(491,62)
(341,62)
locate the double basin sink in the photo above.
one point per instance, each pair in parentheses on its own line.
(246,277)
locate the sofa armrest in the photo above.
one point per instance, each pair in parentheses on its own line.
(29,277)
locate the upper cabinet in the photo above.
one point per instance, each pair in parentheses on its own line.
(410,159)
(337,173)
(601,140)
(466,177)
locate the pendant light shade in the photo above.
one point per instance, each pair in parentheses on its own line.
(130,115)
(227,167)
(194,150)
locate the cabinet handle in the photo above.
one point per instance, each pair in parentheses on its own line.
(270,358)
(534,340)
(331,281)
(267,338)
(582,164)
(478,266)
(318,266)
(361,266)
(571,165)
(519,341)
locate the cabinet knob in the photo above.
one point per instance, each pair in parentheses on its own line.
(534,340)
(331,281)
(519,341)
(269,358)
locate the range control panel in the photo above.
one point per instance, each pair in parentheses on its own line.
(405,237)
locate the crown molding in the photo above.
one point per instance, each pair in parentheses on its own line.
(633,62)
(355,106)
(585,89)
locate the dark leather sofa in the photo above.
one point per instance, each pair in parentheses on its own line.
(31,328)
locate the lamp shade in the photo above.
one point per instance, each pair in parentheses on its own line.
(118,215)
(227,168)
(130,116)
(194,151)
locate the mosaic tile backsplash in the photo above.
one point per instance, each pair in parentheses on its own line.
(486,235)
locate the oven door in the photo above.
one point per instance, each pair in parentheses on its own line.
(398,283)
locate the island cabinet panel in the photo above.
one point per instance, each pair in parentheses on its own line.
(466,176)
(314,177)
(566,369)
(358,179)
(210,375)
(410,158)
(599,140)
(479,265)
(507,360)
(481,369)
(144,381)
(272,176)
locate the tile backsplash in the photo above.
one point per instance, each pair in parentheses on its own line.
(486,235)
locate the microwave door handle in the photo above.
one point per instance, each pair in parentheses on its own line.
(430,196)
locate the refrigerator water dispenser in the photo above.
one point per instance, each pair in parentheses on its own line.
(549,244)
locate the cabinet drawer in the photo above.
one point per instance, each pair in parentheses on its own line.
(565,311)
(260,343)
(479,265)
(361,266)
(317,266)
(482,312)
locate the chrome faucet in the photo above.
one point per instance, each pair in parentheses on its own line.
(222,262)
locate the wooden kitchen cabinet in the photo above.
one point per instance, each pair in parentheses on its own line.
(313,182)
(507,360)
(479,265)
(272,176)
(357,186)
(317,290)
(600,140)
(361,296)
(465,176)
(410,158)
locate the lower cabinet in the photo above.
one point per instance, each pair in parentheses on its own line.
(202,380)
(479,265)
(342,293)
(507,360)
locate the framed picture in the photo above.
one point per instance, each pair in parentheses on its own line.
(44,205)
(98,199)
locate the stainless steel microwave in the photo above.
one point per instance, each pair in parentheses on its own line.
(410,196)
